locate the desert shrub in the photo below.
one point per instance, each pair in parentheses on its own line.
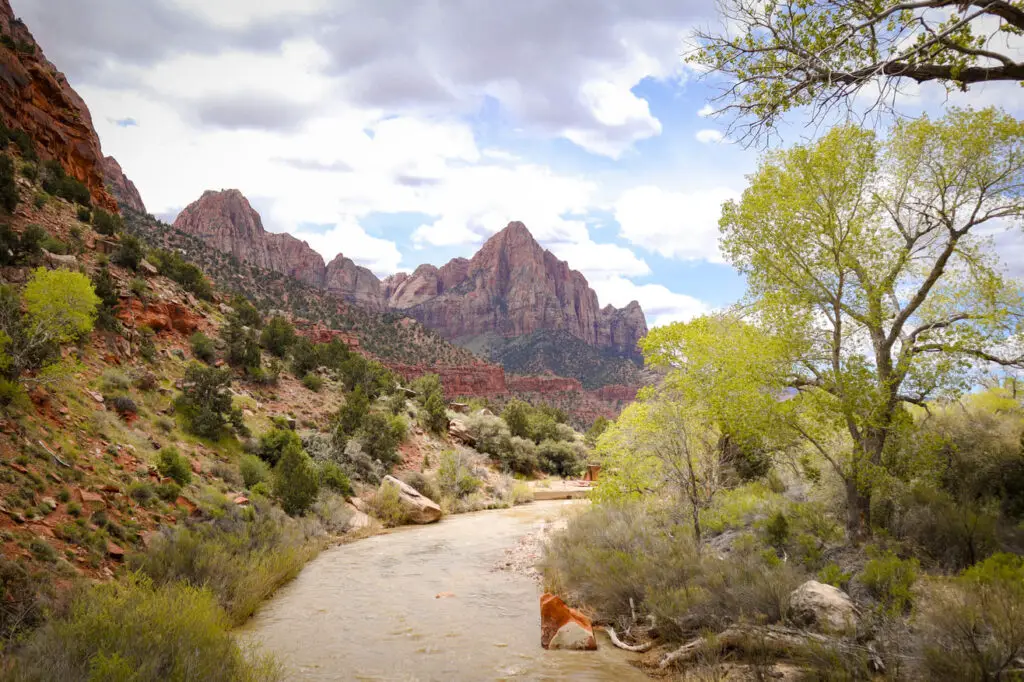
(489,433)
(435,415)
(349,456)
(106,223)
(278,336)
(84,214)
(142,492)
(241,555)
(129,630)
(273,443)
(599,426)
(295,479)
(454,475)
(171,264)
(203,347)
(890,579)
(832,574)
(24,597)
(356,371)
(246,312)
(972,628)
(380,435)
(113,380)
(333,478)
(519,492)
(58,183)
(242,344)
(397,403)
(124,406)
(8,184)
(305,357)
(54,245)
(105,288)
(172,464)
(332,513)
(386,506)
(130,252)
(313,382)
(254,470)
(145,380)
(560,458)
(517,416)
(205,401)
(421,483)
(351,414)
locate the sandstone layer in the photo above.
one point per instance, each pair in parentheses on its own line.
(123,189)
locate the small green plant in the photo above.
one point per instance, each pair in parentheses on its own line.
(84,214)
(833,575)
(890,579)
(454,477)
(174,465)
(313,382)
(295,480)
(333,478)
(203,347)
(254,470)
(386,505)
(106,223)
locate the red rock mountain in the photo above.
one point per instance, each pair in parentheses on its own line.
(121,187)
(514,287)
(511,287)
(36,97)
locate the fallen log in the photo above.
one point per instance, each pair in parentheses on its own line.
(636,648)
(776,638)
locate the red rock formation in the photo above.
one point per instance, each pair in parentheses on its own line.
(353,283)
(513,286)
(123,189)
(562,627)
(321,334)
(36,97)
(543,384)
(159,317)
(481,380)
(617,393)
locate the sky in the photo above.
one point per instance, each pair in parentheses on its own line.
(401,132)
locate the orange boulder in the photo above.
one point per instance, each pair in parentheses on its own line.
(562,627)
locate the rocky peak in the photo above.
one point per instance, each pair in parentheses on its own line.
(123,189)
(354,283)
(36,97)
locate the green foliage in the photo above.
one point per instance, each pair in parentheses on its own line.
(599,426)
(205,401)
(203,347)
(890,579)
(106,223)
(357,372)
(380,435)
(242,344)
(278,336)
(172,464)
(313,382)
(352,413)
(386,506)
(435,415)
(58,183)
(172,265)
(128,630)
(8,184)
(454,477)
(426,386)
(61,305)
(246,312)
(333,478)
(84,215)
(517,417)
(421,484)
(560,458)
(832,574)
(129,253)
(296,482)
(274,442)
(253,470)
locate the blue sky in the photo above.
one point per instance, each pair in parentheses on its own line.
(402,132)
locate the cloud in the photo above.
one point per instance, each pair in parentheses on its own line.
(661,305)
(709,136)
(682,225)
(255,111)
(706,111)
(125,122)
(315,165)
(350,239)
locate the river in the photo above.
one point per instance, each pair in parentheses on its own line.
(370,610)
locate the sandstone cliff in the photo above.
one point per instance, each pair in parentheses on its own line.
(514,287)
(36,97)
(123,189)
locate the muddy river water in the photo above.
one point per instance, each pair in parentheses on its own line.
(370,610)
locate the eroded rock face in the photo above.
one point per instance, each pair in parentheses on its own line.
(822,606)
(513,287)
(36,97)
(419,508)
(160,316)
(353,283)
(481,379)
(123,189)
(562,627)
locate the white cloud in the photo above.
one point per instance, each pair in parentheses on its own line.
(600,261)
(706,111)
(661,305)
(379,255)
(709,136)
(681,225)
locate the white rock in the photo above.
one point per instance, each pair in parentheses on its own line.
(825,607)
(419,508)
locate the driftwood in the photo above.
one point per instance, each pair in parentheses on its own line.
(775,638)
(636,648)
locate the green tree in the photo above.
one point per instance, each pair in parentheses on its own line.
(274,442)
(351,415)
(130,253)
(278,336)
(202,347)
(106,290)
(380,435)
(599,426)
(61,305)
(426,386)
(435,414)
(780,55)
(296,482)
(8,184)
(242,342)
(517,415)
(205,401)
(246,312)
(863,258)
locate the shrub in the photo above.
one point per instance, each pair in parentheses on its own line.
(124,406)
(435,416)
(517,416)
(454,477)
(30,171)
(333,478)
(172,464)
(313,382)
(890,579)
(351,414)
(142,492)
(305,357)
(421,483)
(397,403)
(8,184)
(295,480)
(426,386)
(130,253)
(246,312)
(202,347)
(386,505)
(205,401)
(58,183)
(560,458)
(61,304)
(23,597)
(171,264)
(278,336)
(273,443)
(254,470)
(380,435)
(54,245)
(972,628)
(128,630)
(106,290)
(106,223)
(833,575)
(84,214)
(114,380)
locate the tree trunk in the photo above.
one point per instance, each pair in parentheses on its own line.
(858,513)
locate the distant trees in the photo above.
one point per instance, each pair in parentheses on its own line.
(205,402)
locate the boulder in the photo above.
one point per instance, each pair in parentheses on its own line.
(56,260)
(460,432)
(562,627)
(419,508)
(822,606)
(357,521)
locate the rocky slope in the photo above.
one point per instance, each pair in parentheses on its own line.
(35,97)
(123,189)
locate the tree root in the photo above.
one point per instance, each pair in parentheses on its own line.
(636,648)
(773,638)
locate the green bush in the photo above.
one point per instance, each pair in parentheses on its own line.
(171,264)
(333,478)
(295,480)
(455,479)
(274,442)
(106,223)
(890,579)
(8,184)
(205,401)
(278,336)
(833,575)
(435,416)
(313,382)
(386,506)
(421,483)
(242,344)
(203,347)
(172,464)
(380,435)
(254,470)
(560,458)
(351,414)
(246,312)
(129,253)
(84,214)
(113,380)
(58,183)
(129,630)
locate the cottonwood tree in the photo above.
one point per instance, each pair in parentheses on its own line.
(869,257)
(781,54)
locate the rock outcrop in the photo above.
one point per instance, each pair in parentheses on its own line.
(480,379)
(823,607)
(35,97)
(353,283)
(514,287)
(123,189)
(562,627)
(159,316)
(418,508)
